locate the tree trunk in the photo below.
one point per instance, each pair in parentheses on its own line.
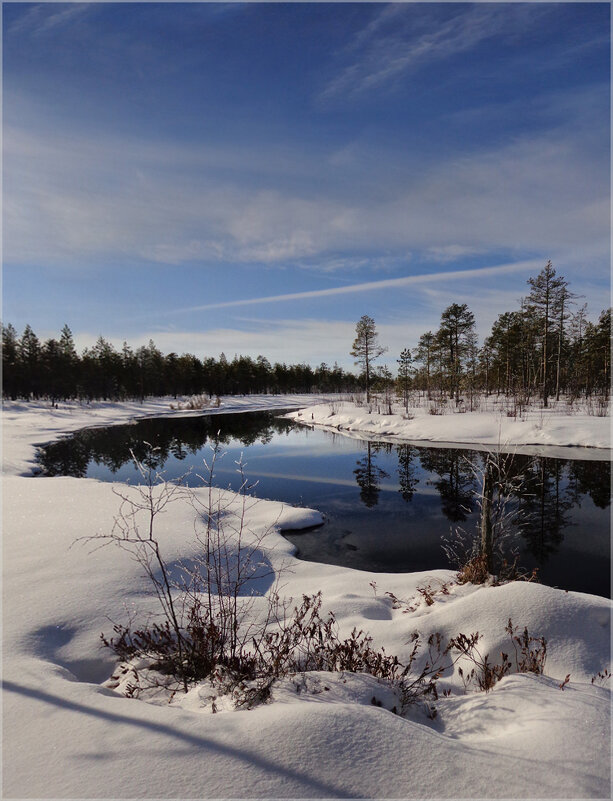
(560,337)
(486,517)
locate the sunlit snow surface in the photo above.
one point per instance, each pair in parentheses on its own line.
(65,735)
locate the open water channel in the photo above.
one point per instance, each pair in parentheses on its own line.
(387,506)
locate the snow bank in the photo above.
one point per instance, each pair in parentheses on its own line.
(67,736)
(537,427)
(26,425)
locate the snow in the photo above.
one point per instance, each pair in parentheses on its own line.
(533,430)
(66,735)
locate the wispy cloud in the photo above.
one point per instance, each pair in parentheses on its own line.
(450,253)
(398,40)
(371,286)
(70,198)
(45,18)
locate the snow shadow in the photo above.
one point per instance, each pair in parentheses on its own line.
(252,569)
(311,785)
(50,641)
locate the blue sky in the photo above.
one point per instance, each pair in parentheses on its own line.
(253,177)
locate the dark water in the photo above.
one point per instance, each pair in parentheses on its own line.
(387,507)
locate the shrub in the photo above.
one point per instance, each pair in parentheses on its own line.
(530,655)
(474,571)
(207,630)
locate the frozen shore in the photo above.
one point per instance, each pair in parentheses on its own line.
(65,735)
(533,429)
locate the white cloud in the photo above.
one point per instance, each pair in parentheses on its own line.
(397,40)
(450,253)
(70,198)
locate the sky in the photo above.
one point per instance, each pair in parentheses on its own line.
(252,178)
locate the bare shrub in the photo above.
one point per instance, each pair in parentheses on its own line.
(601,677)
(474,571)
(426,594)
(530,654)
(489,552)
(207,630)
(205,604)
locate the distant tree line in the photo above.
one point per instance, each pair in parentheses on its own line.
(53,369)
(544,349)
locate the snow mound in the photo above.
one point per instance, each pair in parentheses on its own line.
(65,735)
(537,427)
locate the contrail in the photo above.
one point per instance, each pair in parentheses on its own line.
(370,286)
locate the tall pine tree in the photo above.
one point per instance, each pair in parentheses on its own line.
(366,348)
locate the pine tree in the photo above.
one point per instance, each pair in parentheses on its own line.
(10,362)
(457,324)
(68,365)
(30,358)
(424,354)
(366,348)
(577,367)
(505,352)
(542,303)
(404,376)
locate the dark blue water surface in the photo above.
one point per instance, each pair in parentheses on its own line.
(387,506)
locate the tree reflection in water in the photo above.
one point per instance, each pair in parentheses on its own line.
(407,477)
(546,503)
(176,437)
(456,482)
(368,476)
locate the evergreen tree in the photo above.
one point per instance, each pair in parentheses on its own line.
(577,366)
(10,362)
(68,365)
(424,354)
(29,351)
(457,325)
(366,348)
(542,303)
(504,347)
(404,376)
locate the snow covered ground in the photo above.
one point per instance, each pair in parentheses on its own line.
(535,430)
(65,735)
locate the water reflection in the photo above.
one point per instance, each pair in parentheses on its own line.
(369,475)
(407,471)
(417,493)
(544,503)
(178,438)
(456,482)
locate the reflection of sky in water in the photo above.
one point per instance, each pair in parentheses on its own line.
(387,508)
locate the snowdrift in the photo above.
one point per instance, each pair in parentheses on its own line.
(65,735)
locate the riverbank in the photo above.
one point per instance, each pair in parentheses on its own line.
(27,424)
(534,427)
(66,735)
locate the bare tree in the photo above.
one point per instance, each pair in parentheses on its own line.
(491,547)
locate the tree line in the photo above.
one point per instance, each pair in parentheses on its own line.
(544,349)
(53,369)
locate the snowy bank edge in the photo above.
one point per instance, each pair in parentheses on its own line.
(566,441)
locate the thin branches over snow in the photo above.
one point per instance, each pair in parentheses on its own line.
(491,549)
(205,602)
